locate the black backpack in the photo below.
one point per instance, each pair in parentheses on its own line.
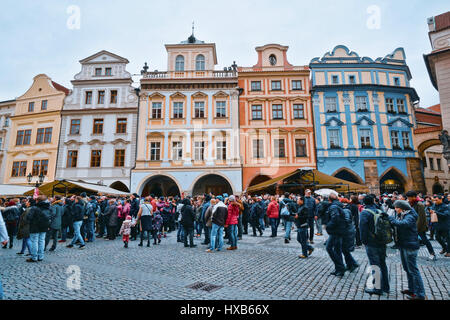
(44,219)
(383,230)
(12,214)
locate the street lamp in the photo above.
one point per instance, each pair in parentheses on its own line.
(39,182)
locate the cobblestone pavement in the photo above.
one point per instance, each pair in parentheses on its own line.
(263,268)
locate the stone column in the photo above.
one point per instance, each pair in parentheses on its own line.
(416,181)
(165,162)
(371,176)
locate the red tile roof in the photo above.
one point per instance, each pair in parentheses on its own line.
(60,87)
(442,21)
(436,108)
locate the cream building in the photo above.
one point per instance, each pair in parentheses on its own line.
(188,125)
(33,142)
(6,112)
(99,119)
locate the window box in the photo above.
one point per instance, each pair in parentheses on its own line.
(396,148)
(362,110)
(332,111)
(335,147)
(403,113)
(366,147)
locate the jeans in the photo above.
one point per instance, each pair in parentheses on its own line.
(26,244)
(311,228)
(377,257)
(358,237)
(51,234)
(409,263)
(334,249)
(64,233)
(348,245)
(302,238)
(216,235)
(90,230)
(239,226)
(145,235)
(37,245)
(423,237)
(207,235)
(188,232)
(262,224)
(77,235)
(180,233)
(256,225)
(273,225)
(288,227)
(443,237)
(319,225)
(233,233)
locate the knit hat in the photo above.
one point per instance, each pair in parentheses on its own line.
(232,198)
(402,204)
(220,198)
(128,218)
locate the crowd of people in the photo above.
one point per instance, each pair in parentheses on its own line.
(350,222)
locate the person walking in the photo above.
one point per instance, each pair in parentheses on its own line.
(232,221)
(187,221)
(336,230)
(273,210)
(310,203)
(57,209)
(23,230)
(66,220)
(125,230)
(219,217)
(301,221)
(144,217)
(290,210)
(442,213)
(77,218)
(354,209)
(408,242)
(39,218)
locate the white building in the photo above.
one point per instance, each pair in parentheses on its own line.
(98,127)
(6,111)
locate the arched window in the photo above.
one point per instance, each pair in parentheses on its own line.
(179,63)
(200,63)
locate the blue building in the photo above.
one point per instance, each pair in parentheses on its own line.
(364,119)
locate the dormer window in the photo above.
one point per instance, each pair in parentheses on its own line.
(98,71)
(108,72)
(200,63)
(179,63)
(397,81)
(272,60)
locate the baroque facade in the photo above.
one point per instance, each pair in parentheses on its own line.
(35,127)
(188,125)
(275,117)
(364,116)
(98,126)
(6,112)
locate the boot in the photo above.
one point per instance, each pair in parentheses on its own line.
(148,243)
(154,242)
(140,244)
(125,244)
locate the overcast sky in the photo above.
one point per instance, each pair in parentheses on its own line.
(35,38)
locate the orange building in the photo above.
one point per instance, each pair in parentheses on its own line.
(275,117)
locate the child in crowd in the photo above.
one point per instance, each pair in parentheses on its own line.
(125,230)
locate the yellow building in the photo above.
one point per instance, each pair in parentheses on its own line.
(35,126)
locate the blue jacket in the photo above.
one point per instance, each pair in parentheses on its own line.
(408,237)
(443,214)
(310,203)
(367,227)
(336,225)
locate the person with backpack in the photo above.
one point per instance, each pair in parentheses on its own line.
(336,231)
(57,210)
(375,241)
(77,218)
(39,218)
(301,221)
(287,212)
(219,217)
(408,242)
(273,214)
(11,217)
(348,241)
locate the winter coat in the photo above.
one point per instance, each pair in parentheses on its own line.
(91,208)
(220,214)
(208,216)
(187,216)
(406,224)
(134,208)
(67,215)
(443,214)
(23,231)
(146,220)
(419,207)
(157,221)
(273,210)
(355,214)
(302,217)
(233,214)
(367,227)
(11,215)
(322,211)
(3,231)
(125,229)
(57,210)
(35,214)
(336,224)
(292,208)
(113,218)
(77,211)
(310,203)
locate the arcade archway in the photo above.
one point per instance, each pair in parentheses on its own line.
(348,175)
(212,183)
(119,185)
(392,180)
(160,185)
(258,179)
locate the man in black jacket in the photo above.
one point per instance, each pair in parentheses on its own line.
(336,230)
(77,218)
(219,217)
(187,221)
(134,209)
(301,221)
(39,219)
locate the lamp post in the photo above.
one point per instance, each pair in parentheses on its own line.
(38,183)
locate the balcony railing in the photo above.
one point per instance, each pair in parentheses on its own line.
(189,74)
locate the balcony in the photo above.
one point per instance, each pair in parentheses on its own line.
(189,74)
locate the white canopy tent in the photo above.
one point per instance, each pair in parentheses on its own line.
(13,190)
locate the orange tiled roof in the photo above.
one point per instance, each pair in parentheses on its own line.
(60,87)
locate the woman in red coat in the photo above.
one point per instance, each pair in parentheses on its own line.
(232,221)
(273,214)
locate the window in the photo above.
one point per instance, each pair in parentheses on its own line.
(390,105)
(361,103)
(199,110)
(1,143)
(300,148)
(44,167)
(40,136)
(36,167)
(276,85)
(19,169)
(72,158)
(19,138)
(179,63)
(156,110)
(101,97)
(277,111)
(27,137)
(96,158)
(98,126)
(364,135)
(113,96)
(44,105)
(439,167)
(199,150)
(221,150)
(108,72)
(88,99)
(258,148)
(401,106)
(98,71)
(296,85)
(48,135)
(330,104)
(221,109)
(177,150)
(431,164)
(30,106)
(257,112)
(334,136)
(351,79)
(121,125)
(178,110)
(155,151)
(119,158)
(335,80)
(256,85)
(394,140)
(299,112)
(279,148)
(405,139)
(397,81)
(200,63)
(6,124)
(75,126)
